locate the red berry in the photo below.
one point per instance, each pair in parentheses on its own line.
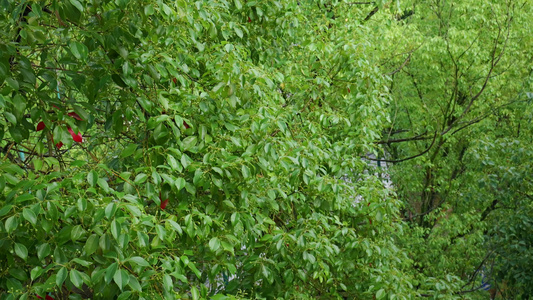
(175,81)
(249,20)
(59,145)
(186,125)
(40,126)
(48,297)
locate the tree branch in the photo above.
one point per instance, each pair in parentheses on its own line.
(408,158)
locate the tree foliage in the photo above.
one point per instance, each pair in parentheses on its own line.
(192,150)
(218,149)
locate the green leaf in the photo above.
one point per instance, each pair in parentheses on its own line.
(92,178)
(140,178)
(30,216)
(176,226)
(229,203)
(227,247)
(115,229)
(128,151)
(149,10)
(238,31)
(77,4)
(43,251)
(121,278)
(76,233)
(245,171)
(21,251)
(10,117)
(61,276)
(103,184)
(173,163)
(134,210)
(110,210)
(25,197)
(134,284)
(11,224)
(36,272)
(214,244)
(79,50)
(195,293)
(380,294)
(81,112)
(189,142)
(193,268)
(4,210)
(180,183)
(75,278)
(110,272)
(185,161)
(167,282)
(125,295)
(139,261)
(82,262)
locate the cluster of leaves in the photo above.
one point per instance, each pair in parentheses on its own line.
(179,149)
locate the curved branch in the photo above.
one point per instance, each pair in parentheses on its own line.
(413,138)
(408,158)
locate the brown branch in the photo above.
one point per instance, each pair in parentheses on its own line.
(403,65)
(374,11)
(413,138)
(408,158)
(494,61)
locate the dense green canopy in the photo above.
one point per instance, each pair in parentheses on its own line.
(222,149)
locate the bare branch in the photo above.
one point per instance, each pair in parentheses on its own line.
(360,3)
(408,158)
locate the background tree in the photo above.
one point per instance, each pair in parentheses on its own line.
(460,97)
